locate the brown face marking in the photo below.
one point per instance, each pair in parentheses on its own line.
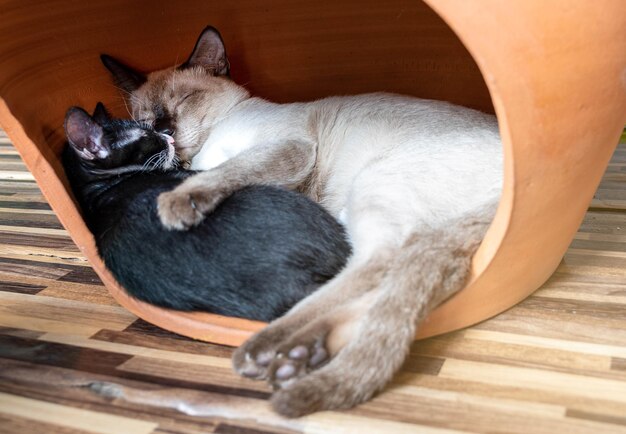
(164,121)
(186,102)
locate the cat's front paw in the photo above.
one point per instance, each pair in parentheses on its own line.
(181,209)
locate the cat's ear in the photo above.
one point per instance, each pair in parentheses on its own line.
(209,53)
(85,135)
(100,114)
(125,77)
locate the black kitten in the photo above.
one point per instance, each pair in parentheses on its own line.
(259,253)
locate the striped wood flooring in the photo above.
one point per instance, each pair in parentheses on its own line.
(72,361)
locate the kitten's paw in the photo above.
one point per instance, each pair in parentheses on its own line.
(181,209)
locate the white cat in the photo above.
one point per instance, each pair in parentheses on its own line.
(416,182)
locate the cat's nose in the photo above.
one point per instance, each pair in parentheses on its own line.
(169,138)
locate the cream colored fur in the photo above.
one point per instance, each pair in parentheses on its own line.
(416,183)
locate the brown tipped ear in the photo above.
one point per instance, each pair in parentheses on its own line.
(100,114)
(85,135)
(209,53)
(125,77)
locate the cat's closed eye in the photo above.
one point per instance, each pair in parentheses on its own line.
(187,96)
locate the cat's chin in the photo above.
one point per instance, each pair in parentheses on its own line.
(186,154)
(172,159)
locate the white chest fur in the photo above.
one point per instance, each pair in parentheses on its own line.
(223,144)
(255,122)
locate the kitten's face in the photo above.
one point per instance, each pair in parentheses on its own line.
(107,144)
(136,144)
(184,102)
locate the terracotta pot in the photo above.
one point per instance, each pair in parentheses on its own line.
(555,74)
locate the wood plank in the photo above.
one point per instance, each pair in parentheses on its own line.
(24,193)
(33,230)
(476,415)
(79,314)
(86,420)
(21,288)
(506,406)
(162,341)
(91,360)
(535,379)
(229,428)
(509,353)
(38,240)
(22,205)
(173,354)
(44,325)
(12,165)
(519,391)
(83,275)
(618,364)
(22,268)
(583,291)
(577,414)
(90,293)
(43,254)
(11,424)
(563,306)
(547,343)
(190,372)
(19,176)
(25,211)
(20,333)
(165,404)
(581,329)
(35,220)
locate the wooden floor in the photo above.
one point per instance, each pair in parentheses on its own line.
(72,361)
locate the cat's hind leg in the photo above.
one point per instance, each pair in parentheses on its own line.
(374,235)
(428,268)
(320,314)
(375,223)
(312,346)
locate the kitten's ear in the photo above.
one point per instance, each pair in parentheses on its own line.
(100,114)
(125,77)
(85,135)
(209,53)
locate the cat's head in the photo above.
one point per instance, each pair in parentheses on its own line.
(105,143)
(183,101)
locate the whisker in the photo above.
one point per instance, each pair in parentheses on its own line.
(146,165)
(121,90)
(159,162)
(128,111)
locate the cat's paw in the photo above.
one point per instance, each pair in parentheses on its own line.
(303,352)
(306,396)
(336,386)
(182,208)
(254,357)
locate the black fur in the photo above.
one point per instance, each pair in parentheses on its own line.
(126,78)
(260,252)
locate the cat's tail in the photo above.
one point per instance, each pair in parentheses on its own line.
(429,268)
